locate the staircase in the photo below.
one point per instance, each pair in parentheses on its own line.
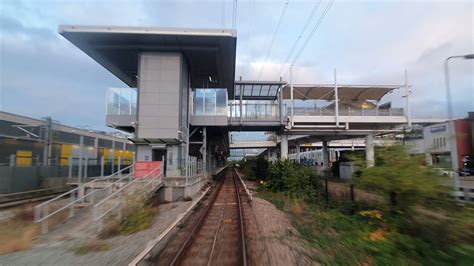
(83,196)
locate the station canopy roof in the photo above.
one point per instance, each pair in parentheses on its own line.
(210,54)
(345,92)
(257,90)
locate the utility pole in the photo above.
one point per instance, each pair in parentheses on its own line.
(47,138)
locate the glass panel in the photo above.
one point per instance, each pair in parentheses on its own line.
(237,90)
(199,102)
(221,102)
(256,90)
(265,90)
(273,91)
(113,101)
(124,101)
(209,102)
(133,94)
(121,101)
(248,90)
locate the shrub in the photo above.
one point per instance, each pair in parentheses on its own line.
(92,246)
(293,179)
(403,179)
(139,219)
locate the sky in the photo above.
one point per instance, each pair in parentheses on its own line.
(368,42)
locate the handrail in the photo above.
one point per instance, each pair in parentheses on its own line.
(41,210)
(99,214)
(83,185)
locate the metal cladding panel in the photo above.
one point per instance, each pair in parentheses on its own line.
(159,95)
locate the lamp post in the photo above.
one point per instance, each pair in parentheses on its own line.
(451,129)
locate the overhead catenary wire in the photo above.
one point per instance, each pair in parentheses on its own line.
(234,14)
(223,14)
(249,31)
(311,34)
(273,38)
(297,41)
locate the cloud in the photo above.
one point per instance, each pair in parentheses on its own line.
(368,42)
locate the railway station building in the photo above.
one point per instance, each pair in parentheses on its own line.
(183,99)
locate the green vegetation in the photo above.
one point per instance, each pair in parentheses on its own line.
(254,169)
(404,180)
(92,246)
(418,224)
(137,217)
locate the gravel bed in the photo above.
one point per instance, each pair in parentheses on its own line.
(270,237)
(122,250)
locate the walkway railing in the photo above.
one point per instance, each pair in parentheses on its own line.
(322,111)
(254,111)
(137,190)
(78,195)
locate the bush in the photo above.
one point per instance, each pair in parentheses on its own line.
(403,179)
(92,246)
(292,179)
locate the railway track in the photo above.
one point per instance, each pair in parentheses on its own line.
(21,198)
(215,235)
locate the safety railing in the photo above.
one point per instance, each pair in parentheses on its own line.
(115,203)
(322,111)
(78,195)
(257,110)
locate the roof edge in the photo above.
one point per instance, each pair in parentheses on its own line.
(148,30)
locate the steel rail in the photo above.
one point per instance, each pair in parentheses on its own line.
(179,256)
(192,236)
(241,221)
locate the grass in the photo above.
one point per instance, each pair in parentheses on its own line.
(18,233)
(92,246)
(372,237)
(137,219)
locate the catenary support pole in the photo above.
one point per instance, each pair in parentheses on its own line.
(325,155)
(336,98)
(369,150)
(407,96)
(284,147)
(291,96)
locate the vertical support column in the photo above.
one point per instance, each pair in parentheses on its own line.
(119,164)
(369,150)
(291,97)
(407,95)
(280,102)
(112,157)
(86,161)
(453,147)
(297,153)
(284,147)
(69,167)
(325,154)
(12,159)
(204,149)
(336,98)
(47,137)
(102,162)
(240,103)
(81,148)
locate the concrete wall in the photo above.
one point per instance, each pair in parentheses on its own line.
(159,95)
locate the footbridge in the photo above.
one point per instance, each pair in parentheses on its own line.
(183,99)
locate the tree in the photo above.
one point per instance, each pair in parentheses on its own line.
(402,178)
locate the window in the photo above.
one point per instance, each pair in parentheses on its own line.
(210,102)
